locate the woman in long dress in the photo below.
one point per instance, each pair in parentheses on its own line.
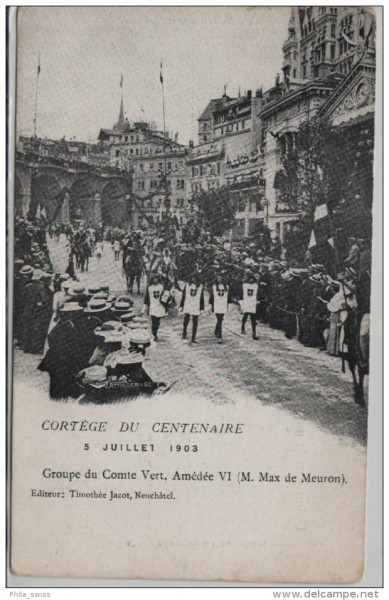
(335,306)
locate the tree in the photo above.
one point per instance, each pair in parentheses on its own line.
(332,165)
(217,210)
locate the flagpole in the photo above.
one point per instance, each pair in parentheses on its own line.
(164,137)
(36,92)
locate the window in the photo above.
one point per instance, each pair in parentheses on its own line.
(222,131)
(137,151)
(131,150)
(180,184)
(332,51)
(126,138)
(117,152)
(218,168)
(294,73)
(141,185)
(151,166)
(141,167)
(160,166)
(169,165)
(333,31)
(137,138)
(243,124)
(132,138)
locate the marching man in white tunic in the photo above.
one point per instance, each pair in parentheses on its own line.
(249,300)
(219,300)
(155,302)
(192,303)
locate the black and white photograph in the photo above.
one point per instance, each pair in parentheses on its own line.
(192,229)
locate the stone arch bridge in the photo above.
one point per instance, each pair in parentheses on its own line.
(68,192)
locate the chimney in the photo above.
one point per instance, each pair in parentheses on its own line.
(191,144)
(278,80)
(258,93)
(249,94)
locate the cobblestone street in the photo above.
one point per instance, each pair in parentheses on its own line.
(302,383)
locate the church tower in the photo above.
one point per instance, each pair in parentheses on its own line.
(291,48)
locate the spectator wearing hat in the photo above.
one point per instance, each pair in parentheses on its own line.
(219,299)
(68,352)
(192,303)
(121,306)
(248,300)
(155,302)
(264,292)
(62,284)
(99,307)
(37,314)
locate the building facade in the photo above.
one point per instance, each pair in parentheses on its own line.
(329,71)
(227,155)
(157,164)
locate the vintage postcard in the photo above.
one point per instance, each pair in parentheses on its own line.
(191,226)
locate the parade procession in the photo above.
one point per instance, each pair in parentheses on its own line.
(93,329)
(242,262)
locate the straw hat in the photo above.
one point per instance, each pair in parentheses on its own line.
(26,270)
(121,306)
(96,305)
(71,307)
(76,290)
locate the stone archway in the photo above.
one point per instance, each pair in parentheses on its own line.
(116,207)
(81,203)
(47,195)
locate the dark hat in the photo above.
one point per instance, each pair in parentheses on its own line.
(104,288)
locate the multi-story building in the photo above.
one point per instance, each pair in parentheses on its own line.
(157,164)
(329,70)
(229,138)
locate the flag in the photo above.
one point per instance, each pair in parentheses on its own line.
(321,242)
(121,81)
(161,75)
(39,64)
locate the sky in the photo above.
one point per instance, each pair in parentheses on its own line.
(85,50)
